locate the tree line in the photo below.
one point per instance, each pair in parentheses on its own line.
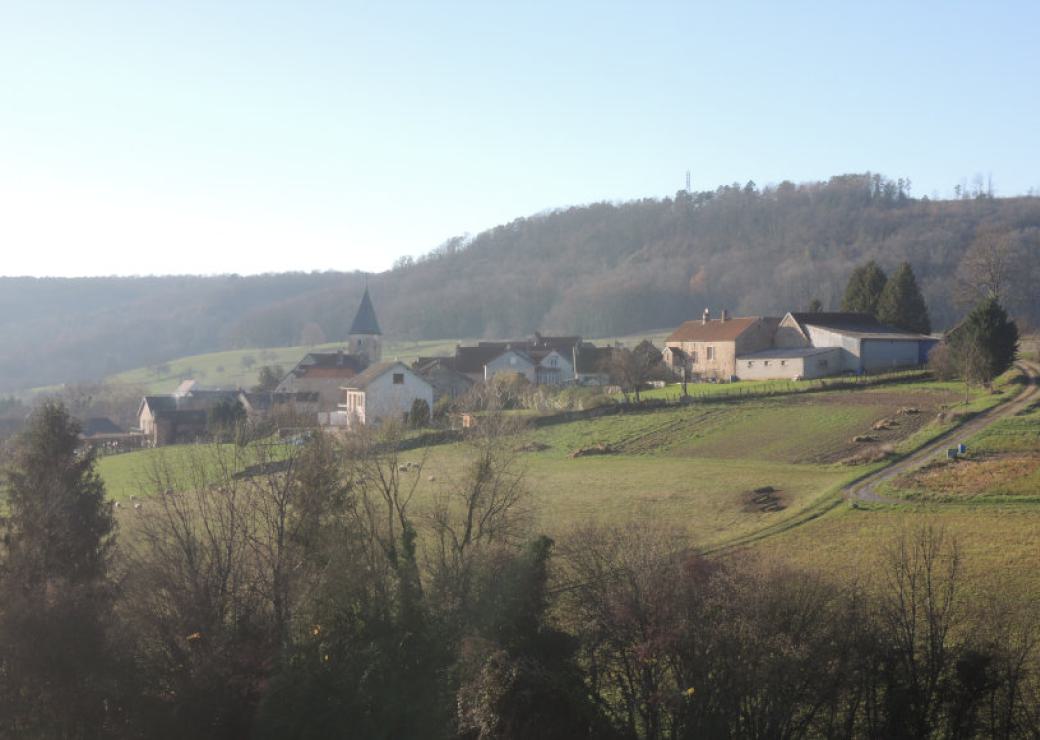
(603,269)
(316,597)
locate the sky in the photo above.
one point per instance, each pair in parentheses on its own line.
(149,137)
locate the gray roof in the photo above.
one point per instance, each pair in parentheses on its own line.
(99,425)
(365,321)
(262,400)
(858,325)
(361,380)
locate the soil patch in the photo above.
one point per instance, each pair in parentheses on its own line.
(764,500)
(533,447)
(597,449)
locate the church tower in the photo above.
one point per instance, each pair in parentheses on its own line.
(365,337)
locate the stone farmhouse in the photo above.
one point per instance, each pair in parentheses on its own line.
(798,346)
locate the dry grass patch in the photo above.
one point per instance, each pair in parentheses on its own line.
(994,475)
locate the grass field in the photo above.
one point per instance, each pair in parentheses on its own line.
(697,466)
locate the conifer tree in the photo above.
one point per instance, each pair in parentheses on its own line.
(55,597)
(864,289)
(901,303)
(986,344)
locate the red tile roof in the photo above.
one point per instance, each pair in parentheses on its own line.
(715,330)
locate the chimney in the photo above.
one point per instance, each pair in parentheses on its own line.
(706,316)
(725,315)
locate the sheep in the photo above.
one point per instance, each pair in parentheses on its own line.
(118,505)
(137,506)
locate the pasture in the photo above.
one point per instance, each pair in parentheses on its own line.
(761,473)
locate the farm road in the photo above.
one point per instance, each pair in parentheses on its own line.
(866,488)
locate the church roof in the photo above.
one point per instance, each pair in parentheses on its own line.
(365,321)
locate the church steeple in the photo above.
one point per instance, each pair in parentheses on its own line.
(365,335)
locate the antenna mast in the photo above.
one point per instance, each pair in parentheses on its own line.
(687,181)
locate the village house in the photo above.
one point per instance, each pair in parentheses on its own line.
(383,392)
(181,416)
(542,360)
(301,408)
(708,348)
(445,379)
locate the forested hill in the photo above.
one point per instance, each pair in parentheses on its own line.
(596,270)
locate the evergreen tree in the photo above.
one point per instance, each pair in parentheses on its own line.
(815,306)
(901,303)
(55,597)
(986,344)
(864,289)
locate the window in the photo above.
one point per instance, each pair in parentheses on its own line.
(750,363)
(783,363)
(765,362)
(553,362)
(710,354)
(398,378)
(821,363)
(693,358)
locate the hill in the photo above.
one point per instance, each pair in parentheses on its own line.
(598,270)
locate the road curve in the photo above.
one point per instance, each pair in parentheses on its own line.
(865,489)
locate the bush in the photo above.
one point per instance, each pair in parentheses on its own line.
(419,416)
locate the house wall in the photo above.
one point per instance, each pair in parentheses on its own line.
(510,362)
(849,346)
(789,335)
(385,400)
(146,422)
(722,365)
(447,383)
(755,338)
(817,365)
(554,369)
(328,389)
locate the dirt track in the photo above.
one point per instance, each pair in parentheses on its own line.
(866,488)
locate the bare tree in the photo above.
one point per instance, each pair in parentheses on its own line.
(486,506)
(920,610)
(998,264)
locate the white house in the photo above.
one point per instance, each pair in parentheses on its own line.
(553,368)
(511,361)
(384,391)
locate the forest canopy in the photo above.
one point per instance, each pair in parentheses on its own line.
(598,270)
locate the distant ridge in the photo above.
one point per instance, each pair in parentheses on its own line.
(596,270)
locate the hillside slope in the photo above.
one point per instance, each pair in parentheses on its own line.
(599,270)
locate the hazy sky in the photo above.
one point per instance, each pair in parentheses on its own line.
(170,137)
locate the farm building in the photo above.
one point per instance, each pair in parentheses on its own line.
(708,348)
(800,345)
(384,391)
(795,363)
(865,344)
